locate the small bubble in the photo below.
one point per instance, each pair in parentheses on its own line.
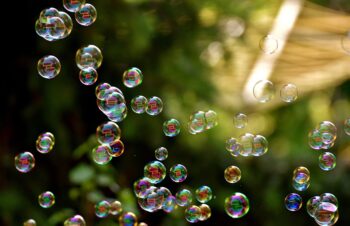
(293,202)
(289,93)
(232,174)
(264,91)
(240,120)
(46,199)
(268,44)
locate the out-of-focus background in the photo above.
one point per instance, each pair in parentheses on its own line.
(195,55)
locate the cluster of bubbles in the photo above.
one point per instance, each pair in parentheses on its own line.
(201,121)
(323,209)
(323,136)
(237,205)
(247,145)
(108,136)
(105,208)
(49,67)
(171,127)
(264,91)
(240,120)
(46,199)
(45,143)
(88,59)
(111,102)
(301,178)
(232,174)
(152,106)
(293,202)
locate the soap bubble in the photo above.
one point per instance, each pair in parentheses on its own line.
(315,139)
(49,67)
(45,142)
(178,173)
(330,198)
(205,212)
(197,122)
(88,76)
(115,208)
(327,161)
(233,146)
(132,77)
(152,201)
(268,44)
(141,186)
(260,145)
(154,106)
(289,93)
(73,5)
(116,148)
(46,199)
(139,104)
(347,126)
(24,162)
(161,153)
(88,56)
(128,219)
(155,172)
(211,119)
(68,23)
(204,194)
(100,154)
(301,178)
(29,222)
(169,204)
(232,174)
(312,204)
(101,90)
(264,91)
(240,120)
(326,214)
(86,15)
(183,197)
(192,214)
(171,127)
(246,140)
(237,205)
(77,220)
(293,202)
(102,209)
(328,131)
(108,132)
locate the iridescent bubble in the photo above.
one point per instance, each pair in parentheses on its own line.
(163,193)
(101,90)
(260,145)
(232,174)
(183,197)
(240,120)
(192,214)
(55,28)
(68,23)
(178,173)
(100,154)
(139,104)
(128,219)
(46,199)
(155,172)
(289,93)
(171,128)
(315,139)
(328,131)
(88,56)
(115,208)
(264,91)
(108,132)
(152,201)
(116,148)
(268,44)
(112,103)
(293,202)
(154,106)
(73,5)
(86,15)
(45,142)
(246,140)
(205,212)
(29,222)
(345,42)
(312,205)
(327,161)
(49,67)
(88,76)
(141,186)
(326,214)
(77,220)
(24,162)
(161,153)
(102,209)
(132,77)
(211,119)
(233,146)
(169,204)
(48,13)
(204,194)
(237,205)
(197,122)
(301,178)
(347,126)
(330,198)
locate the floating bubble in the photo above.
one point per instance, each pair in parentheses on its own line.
(312,204)
(204,194)
(169,204)
(132,77)
(178,173)
(73,5)
(88,56)
(152,201)
(68,23)
(246,140)
(113,103)
(293,202)
(347,126)
(192,214)
(233,146)
(163,193)
(139,104)
(102,209)
(197,122)
(326,214)
(101,90)
(237,205)
(49,67)
(86,15)
(128,219)
(205,212)
(345,42)
(24,162)
(108,132)
(155,172)
(53,25)
(46,199)
(183,197)
(115,208)
(327,161)
(232,174)
(154,106)
(264,91)
(289,93)
(328,131)
(100,154)
(141,186)
(116,148)
(301,178)
(240,120)
(260,145)
(161,153)
(77,220)
(211,119)
(315,139)
(88,76)
(48,13)
(171,128)
(29,222)
(330,198)
(45,142)
(268,44)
